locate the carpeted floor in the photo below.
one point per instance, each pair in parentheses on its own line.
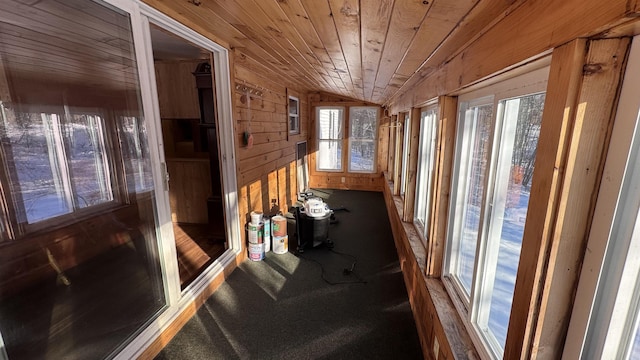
(282,308)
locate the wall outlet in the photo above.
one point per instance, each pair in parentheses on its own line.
(436,348)
(343,179)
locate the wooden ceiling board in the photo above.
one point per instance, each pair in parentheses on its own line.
(201,18)
(321,17)
(250,20)
(285,31)
(362,49)
(346,16)
(406,19)
(375,24)
(479,19)
(299,19)
(441,19)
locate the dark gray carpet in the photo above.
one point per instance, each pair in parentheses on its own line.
(281,308)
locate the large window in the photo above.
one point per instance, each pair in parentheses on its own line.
(406,128)
(497,134)
(426,165)
(363,135)
(362,138)
(605,322)
(330,134)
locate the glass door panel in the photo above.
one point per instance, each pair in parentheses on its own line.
(79,267)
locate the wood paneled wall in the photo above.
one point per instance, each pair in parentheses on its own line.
(267,169)
(177,92)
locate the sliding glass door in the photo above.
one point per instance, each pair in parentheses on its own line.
(80,270)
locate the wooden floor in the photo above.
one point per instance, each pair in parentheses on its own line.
(198,245)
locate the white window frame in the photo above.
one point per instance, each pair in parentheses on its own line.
(406,126)
(339,141)
(294,114)
(605,313)
(426,168)
(374,141)
(474,307)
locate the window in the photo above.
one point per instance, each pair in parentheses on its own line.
(426,165)
(405,153)
(330,134)
(606,314)
(294,115)
(363,135)
(58,162)
(498,130)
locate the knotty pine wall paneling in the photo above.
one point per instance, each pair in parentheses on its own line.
(266,169)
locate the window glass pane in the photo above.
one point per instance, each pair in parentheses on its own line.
(89,169)
(293,106)
(77,281)
(478,128)
(32,158)
(329,155)
(426,162)
(361,155)
(330,133)
(362,138)
(511,200)
(330,124)
(405,154)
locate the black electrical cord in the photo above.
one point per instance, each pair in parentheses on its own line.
(350,271)
(345,272)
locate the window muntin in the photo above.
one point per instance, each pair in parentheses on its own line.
(330,135)
(294,115)
(406,126)
(426,167)
(363,134)
(489,202)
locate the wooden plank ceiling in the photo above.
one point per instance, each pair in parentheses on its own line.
(363,49)
(368,50)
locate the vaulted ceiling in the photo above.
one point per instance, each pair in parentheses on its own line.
(370,50)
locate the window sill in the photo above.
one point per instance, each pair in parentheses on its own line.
(434,311)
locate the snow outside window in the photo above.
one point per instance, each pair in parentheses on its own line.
(363,134)
(330,135)
(497,138)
